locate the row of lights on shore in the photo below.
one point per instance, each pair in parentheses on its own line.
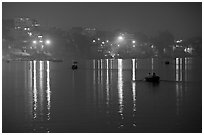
(120,38)
(41,41)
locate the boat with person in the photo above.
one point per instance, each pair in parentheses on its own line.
(152,78)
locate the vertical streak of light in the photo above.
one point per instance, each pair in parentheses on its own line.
(34,91)
(107,84)
(48,90)
(134,101)
(152,64)
(107,65)
(41,90)
(134,66)
(186,69)
(111,73)
(133,69)
(94,63)
(120,87)
(101,64)
(101,82)
(181,73)
(177,69)
(134,96)
(98,64)
(111,64)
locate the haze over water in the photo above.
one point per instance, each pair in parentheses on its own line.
(106,95)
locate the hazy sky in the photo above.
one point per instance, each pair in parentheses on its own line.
(182,19)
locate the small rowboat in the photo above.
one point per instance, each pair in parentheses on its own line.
(152,79)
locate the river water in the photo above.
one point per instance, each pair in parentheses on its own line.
(102,96)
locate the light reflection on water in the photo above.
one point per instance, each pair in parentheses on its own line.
(182,67)
(113,91)
(41,102)
(107,84)
(134,91)
(120,88)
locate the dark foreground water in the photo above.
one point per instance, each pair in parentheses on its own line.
(102,96)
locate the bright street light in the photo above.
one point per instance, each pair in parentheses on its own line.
(120,38)
(47,42)
(133,41)
(34,42)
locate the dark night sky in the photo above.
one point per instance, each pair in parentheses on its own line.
(182,19)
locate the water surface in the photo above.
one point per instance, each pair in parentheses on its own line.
(102,96)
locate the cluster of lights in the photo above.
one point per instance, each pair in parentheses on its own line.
(102,42)
(179,41)
(46,42)
(30,34)
(26,28)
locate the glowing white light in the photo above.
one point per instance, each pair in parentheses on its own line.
(133,41)
(48,90)
(29,33)
(40,41)
(94,41)
(34,42)
(133,46)
(107,64)
(99,39)
(47,42)
(133,69)
(118,45)
(103,42)
(120,38)
(107,41)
